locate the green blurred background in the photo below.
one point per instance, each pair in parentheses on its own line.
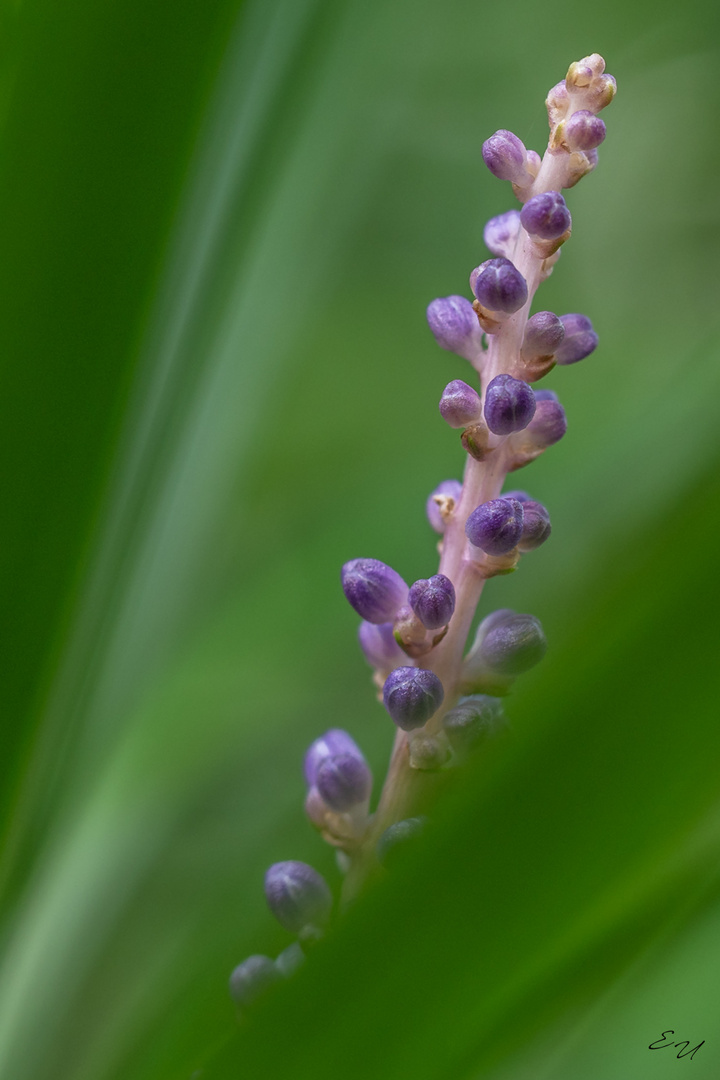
(221,225)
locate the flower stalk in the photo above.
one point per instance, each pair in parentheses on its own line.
(446,699)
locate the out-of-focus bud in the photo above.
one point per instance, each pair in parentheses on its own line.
(460,405)
(495,526)
(455,326)
(334,741)
(521,496)
(546,216)
(396,840)
(582,131)
(375,590)
(579,341)
(290,960)
(544,333)
(411,696)
(379,646)
(501,232)
(428,752)
(251,979)
(536,526)
(499,286)
(433,600)
(441,503)
(474,721)
(297,895)
(505,156)
(344,781)
(509,405)
(513,645)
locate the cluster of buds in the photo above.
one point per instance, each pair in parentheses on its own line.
(446,700)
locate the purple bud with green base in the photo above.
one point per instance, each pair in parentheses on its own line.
(509,405)
(496,526)
(455,326)
(460,405)
(499,286)
(536,526)
(411,696)
(546,216)
(433,600)
(580,339)
(451,489)
(375,590)
(297,895)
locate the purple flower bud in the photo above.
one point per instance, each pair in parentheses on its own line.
(474,721)
(496,526)
(433,601)
(344,781)
(379,646)
(297,895)
(335,741)
(375,590)
(549,423)
(509,405)
(454,323)
(580,339)
(536,526)
(501,232)
(513,645)
(446,489)
(396,840)
(252,978)
(411,696)
(460,404)
(545,395)
(543,334)
(499,286)
(521,496)
(584,131)
(546,216)
(504,155)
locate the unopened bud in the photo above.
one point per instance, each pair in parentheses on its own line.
(509,405)
(505,156)
(375,590)
(441,503)
(297,895)
(335,741)
(499,286)
(455,326)
(379,646)
(536,526)
(433,600)
(344,781)
(460,404)
(473,722)
(501,232)
(579,341)
(546,216)
(495,526)
(411,696)
(251,979)
(396,840)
